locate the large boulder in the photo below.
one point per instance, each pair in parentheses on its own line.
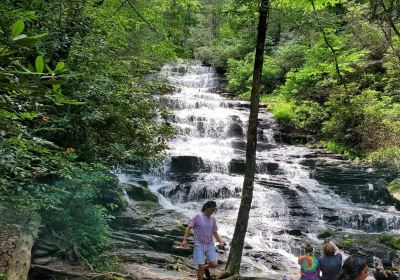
(235,130)
(186,164)
(139,193)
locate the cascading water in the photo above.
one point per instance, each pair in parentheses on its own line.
(298,193)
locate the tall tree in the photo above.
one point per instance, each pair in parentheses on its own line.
(235,254)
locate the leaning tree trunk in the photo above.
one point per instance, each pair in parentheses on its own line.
(21,260)
(235,254)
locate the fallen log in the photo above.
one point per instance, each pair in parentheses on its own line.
(21,260)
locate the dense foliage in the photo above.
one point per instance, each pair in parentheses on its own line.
(331,68)
(74,93)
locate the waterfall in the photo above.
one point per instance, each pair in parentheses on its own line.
(298,193)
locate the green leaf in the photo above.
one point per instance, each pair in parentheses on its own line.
(39,64)
(61,99)
(57,88)
(60,66)
(49,69)
(4,51)
(28,115)
(17,28)
(23,40)
(19,37)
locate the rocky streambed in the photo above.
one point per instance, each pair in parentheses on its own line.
(145,241)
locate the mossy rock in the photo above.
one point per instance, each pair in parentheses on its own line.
(140,193)
(128,221)
(394,189)
(327,234)
(179,226)
(391,240)
(147,205)
(346,243)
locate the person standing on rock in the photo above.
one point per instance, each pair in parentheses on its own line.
(331,262)
(204,228)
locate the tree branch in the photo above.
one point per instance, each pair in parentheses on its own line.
(141,17)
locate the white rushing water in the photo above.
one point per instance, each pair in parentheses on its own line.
(293,201)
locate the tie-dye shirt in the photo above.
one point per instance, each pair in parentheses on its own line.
(203,228)
(309,267)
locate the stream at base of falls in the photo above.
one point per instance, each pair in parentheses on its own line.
(301,195)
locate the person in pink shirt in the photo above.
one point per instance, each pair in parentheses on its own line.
(204,229)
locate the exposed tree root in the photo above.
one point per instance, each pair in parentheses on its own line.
(76,274)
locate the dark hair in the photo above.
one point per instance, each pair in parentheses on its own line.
(387,263)
(309,249)
(352,267)
(209,204)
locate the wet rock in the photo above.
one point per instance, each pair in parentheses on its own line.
(269,167)
(294,232)
(278,267)
(323,154)
(140,193)
(178,192)
(235,130)
(264,146)
(183,178)
(291,137)
(326,234)
(302,189)
(186,164)
(331,219)
(240,145)
(237,166)
(129,221)
(256,255)
(309,162)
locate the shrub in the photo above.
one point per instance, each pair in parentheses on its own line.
(388,157)
(71,209)
(282,109)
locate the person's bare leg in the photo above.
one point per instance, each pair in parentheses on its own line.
(213,264)
(210,265)
(207,272)
(200,271)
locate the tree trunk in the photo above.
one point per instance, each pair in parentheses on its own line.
(235,254)
(21,259)
(334,54)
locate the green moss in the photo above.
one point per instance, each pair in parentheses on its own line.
(394,186)
(140,193)
(391,240)
(346,243)
(327,234)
